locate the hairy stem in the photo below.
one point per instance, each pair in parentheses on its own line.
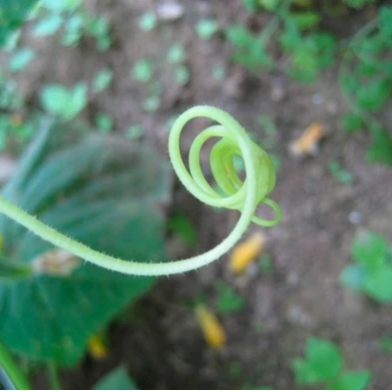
(260,180)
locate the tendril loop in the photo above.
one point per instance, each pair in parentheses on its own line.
(234,141)
(244,196)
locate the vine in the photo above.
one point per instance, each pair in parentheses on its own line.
(244,196)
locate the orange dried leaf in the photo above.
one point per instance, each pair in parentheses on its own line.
(308,143)
(246,253)
(96,348)
(213,331)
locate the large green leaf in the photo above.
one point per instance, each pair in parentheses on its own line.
(12,15)
(103,192)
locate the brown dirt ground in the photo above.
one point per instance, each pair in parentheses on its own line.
(162,345)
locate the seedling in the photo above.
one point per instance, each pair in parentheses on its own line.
(21,59)
(104,122)
(143,70)
(266,265)
(323,364)
(135,131)
(339,173)
(176,54)
(206,28)
(181,74)
(372,271)
(148,21)
(182,226)
(385,343)
(102,80)
(218,72)
(228,301)
(64,103)
(151,104)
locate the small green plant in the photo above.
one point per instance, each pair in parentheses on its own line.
(206,28)
(365,79)
(70,17)
(323,364)
(228,301)
(182,226)
(143,70)
(135,131)
(181,74)
(339,173)
(372,271)
(20,59)
(104,122)
(385,343)
(102,80)
(307,52)
(62,102)
(266,264)
(176,54)
(148,21)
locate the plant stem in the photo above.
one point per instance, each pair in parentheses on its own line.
(53,376)
(12,370)
(243,196)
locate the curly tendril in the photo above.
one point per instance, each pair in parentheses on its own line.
(244,196)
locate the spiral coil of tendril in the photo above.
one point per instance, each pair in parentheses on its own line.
(234,141)
(243,196)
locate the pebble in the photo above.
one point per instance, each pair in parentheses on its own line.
(169,11)
(318,98)
(355,217)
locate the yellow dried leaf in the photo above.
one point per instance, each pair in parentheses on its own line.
(213,331)
(246,253)
(308,143)
(96,348)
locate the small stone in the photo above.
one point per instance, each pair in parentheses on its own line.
(169,11)
(355,217)
(318,98)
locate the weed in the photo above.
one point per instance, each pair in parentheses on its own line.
(228,301)
(324,364)
(104,122)
(102,80)
(64,103)
(339,173)
(143,70)
(206,28)
(372,271)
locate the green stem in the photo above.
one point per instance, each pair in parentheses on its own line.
(12,370)
(53,376)
(245,197)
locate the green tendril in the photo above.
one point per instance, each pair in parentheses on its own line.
(244,196)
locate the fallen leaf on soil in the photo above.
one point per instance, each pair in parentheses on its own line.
(96,347)
(308,143)
(246,253)
(213,331)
